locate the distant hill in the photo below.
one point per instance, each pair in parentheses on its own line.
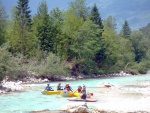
(146,31)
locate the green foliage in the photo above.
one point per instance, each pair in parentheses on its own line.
(95,16)
(57,21)
(140,68)
(3,17)
(140,44)
(42,27)
(79,8)
(86,44)
(145,30)
(116,52)
(71,25)
(23,19)
(51,66)
(8,64)
(110,25)
(126,31)
(20,30)
(23,14)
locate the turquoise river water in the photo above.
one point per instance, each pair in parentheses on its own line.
(32,98)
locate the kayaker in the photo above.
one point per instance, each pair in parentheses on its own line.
(48,88)
(59,86)
(83,96)
(68,88)
(79,89)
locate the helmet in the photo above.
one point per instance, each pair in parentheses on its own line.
(67,84)
(83,85)
(48,84)
(79,86)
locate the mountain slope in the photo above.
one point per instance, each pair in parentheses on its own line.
(136,12)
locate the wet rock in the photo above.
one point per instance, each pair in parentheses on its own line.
(76,108)
(8,86)
(48,111)
(8,90)
(106,85)
(41,111)
(80,109)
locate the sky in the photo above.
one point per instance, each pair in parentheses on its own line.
(33,4)
(136,12)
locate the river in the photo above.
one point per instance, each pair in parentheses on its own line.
(33,99)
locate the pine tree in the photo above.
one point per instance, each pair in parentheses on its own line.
(79,8)
(110,25)
(95,17)
(42,23)
(126,31)
(23,14)
(3,17)
(56,20)
(23,21)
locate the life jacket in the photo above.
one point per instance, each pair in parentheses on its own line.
(67,88)
(84,90)
(79,90)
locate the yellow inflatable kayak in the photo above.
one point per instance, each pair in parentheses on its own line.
(66,93)
(51,92)
(77,94)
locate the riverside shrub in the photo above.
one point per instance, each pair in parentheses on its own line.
(51,66)
(8,64)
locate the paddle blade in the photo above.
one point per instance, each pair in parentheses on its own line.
(91,94)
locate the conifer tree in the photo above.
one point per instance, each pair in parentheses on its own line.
(56,20)
(22,23)
(43,28)
(79,8)
(3,17)
(23,14)
(95,17)
(126,31)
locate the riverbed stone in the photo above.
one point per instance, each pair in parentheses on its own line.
(75,107)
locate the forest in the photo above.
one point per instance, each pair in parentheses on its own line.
(69,42)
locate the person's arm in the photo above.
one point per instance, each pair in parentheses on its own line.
(71,89)
(46,88)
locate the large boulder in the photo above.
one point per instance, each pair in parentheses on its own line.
(76,108)
(8,86)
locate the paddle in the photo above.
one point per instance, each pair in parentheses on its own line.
(74,92)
